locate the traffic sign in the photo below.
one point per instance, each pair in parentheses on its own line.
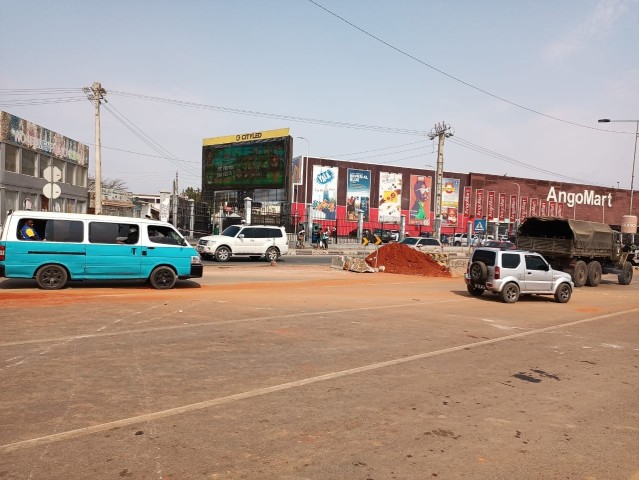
(364,241)
(479,225)
(52,174)
(51,190)
(377,240)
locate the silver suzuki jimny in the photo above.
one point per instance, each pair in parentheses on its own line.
(510,273)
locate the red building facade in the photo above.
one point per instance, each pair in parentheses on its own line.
(332,189)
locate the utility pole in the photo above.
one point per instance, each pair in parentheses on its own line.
(441,130)
(96,94)
(175,201)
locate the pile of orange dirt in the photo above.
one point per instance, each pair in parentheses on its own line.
(400,258)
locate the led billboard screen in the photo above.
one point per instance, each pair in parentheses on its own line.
(246,165)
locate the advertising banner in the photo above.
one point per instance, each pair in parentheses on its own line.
(491,206)
(296,170)
(324,192)
(450,201)
(358,194)
(27,134)
(420,200)
(479,203)
(502,207)
(467,193)
(524,209)
(552,209)
(544,208)
(513,208)
(560,210)
(534,207)
(390,197)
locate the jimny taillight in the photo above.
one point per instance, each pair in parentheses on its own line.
(2,252)
(497,273)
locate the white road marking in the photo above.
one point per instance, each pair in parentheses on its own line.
(81,432)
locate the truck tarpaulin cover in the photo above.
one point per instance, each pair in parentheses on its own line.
(589,235)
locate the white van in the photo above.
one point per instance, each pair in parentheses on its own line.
(54,248)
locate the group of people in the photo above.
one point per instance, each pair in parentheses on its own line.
(319,239)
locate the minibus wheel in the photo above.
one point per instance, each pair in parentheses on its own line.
(51,277)
(162,278)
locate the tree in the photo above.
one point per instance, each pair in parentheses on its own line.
(114,183)
(192,193)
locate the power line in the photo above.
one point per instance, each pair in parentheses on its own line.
(375,150)
(376,128)
(145,138)
(457,79)
(165,154)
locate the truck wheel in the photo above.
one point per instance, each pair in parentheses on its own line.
(53,277)
(580,274)
(475,292)
(563,293)
(594,274)
(222,254)
(625,277)
(510,293)
(478,271)
(162,278)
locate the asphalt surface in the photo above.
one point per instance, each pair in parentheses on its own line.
(310,372)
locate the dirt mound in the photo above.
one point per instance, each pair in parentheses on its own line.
(400,258)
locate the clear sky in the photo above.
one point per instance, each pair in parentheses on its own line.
(403,64)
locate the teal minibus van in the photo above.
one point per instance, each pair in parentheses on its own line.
(55,247)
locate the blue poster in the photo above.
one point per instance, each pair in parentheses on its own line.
(358,193)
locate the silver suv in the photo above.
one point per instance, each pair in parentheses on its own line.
(510,273)
(254,241)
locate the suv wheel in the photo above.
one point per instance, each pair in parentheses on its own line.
(457,244)
(510,293)
(222,254)
(563,293)
(271,254)
(478,271)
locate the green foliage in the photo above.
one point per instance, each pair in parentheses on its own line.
(193,193)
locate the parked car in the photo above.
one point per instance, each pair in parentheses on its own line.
(461,239)
(513,273)
(254,241)
(502,245)
(423,244)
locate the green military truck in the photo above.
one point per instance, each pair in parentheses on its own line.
(585,250)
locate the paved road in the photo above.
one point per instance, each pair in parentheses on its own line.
(288,372)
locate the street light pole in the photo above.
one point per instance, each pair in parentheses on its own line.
(308,148)
(634,156)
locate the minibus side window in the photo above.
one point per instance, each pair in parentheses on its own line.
(164,235)
(64,231)
(114,233)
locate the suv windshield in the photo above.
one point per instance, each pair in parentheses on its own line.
(231,231)
(409,241)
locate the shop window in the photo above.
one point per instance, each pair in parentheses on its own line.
(44,163)
(80,207)
(28,163)
(11,158)
(61,165)
(71,174)
(11,200)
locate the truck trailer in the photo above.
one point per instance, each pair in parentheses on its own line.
(585,250)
